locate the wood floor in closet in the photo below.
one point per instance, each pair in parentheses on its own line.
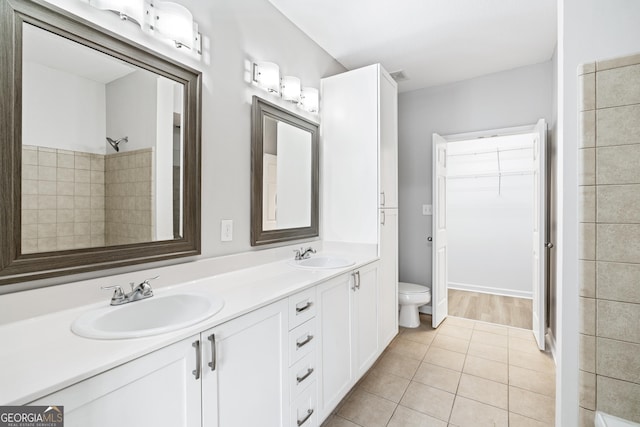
(509,311)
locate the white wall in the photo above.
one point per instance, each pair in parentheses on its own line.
(588,30)
(62,110)
(234,34)
(163,167)
(132,111)
(510,98)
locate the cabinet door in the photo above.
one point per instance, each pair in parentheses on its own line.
(334,307)
(245,381)
(388,121)
(388,286)
(365,318)
(158,389)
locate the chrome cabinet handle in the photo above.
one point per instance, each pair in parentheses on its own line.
(212,364)
(353,288)
(358,276)
(382,199)
(305,376)
(305,307)
(383,217)
(305,342)
(196,372)
(304,420)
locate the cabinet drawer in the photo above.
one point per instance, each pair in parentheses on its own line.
(303,373)
(302,307)
(302,341)
(304,409)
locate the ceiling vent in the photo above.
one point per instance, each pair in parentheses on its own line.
(399,76)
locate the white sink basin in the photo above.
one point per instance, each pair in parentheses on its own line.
(152,316)
(322,262)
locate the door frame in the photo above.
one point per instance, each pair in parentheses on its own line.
(516,130)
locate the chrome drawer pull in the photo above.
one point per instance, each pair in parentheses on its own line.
(196,372)
(305,307)
(305,342)
(304,420)
(305,376)
(212,364)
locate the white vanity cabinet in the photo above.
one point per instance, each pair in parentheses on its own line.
(245,370)
(388,286)
(348,328)
(159,389)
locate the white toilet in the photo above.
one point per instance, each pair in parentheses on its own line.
(410,297)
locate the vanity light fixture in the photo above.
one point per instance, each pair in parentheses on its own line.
(267,76)
(290,89)
(309,99)
(165,19)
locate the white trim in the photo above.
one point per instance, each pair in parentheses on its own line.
(551,341)
(489,290)
(516,130)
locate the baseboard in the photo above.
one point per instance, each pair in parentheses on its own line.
(425,309)
(489,290)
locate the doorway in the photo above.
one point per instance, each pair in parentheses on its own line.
(489,222)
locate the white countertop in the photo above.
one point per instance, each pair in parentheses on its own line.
(41,355)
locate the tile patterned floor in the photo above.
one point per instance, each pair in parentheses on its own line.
(464,374)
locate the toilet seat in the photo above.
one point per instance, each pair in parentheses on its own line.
(411,288)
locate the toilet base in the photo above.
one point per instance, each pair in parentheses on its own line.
(409,316)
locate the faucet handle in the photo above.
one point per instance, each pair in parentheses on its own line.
(118,293)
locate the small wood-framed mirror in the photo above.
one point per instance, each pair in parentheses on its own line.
(99,148)
(284,175)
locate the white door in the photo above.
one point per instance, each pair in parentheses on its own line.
(388,272)
(245,370)
(365,316)
(539,232)
(334,310)
(440,274)
(159,389)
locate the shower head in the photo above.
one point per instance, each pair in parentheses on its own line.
(115,143)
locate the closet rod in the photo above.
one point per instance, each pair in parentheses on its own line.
(491,174)
(475,153)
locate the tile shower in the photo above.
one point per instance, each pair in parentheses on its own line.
(73,199)
(609,217)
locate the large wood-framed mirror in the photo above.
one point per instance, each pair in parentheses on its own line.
(99,148)
(284,175)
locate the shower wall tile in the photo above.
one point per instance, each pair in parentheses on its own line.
(587,241)
(82,161)
(587,166)
(624,61)
(588,67)
(29,155)
(618,164)
(587,383)
(587,278)
(587,313)
(618,86)
(587,96)
(618,282)
(618,320)
(587,203)
(619,398)
(586,418)
(588,353)
(619,203)
(587,129)
(619,125)
(618,359)
(618,242)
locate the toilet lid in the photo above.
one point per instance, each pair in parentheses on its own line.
(412,288)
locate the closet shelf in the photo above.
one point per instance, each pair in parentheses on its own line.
(490,174)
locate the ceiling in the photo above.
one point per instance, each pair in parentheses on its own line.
(434,41)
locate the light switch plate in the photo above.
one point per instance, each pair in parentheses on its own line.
(226,230)
(427,209)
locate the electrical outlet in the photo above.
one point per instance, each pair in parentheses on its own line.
(226,230)
(427,209)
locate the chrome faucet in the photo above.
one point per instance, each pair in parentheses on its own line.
(303,253)
(138,292)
